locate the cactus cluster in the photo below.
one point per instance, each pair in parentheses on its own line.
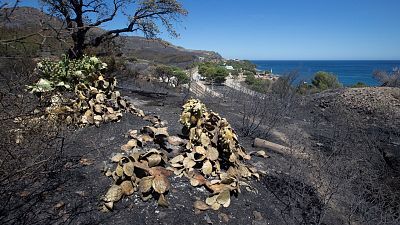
(87,96)
(213,157)
(193,110)
(140,171)
(210,156)
(99,102)
(139,168)
(90,104)
(66,73)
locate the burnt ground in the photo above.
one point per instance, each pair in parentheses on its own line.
(280,197)
(82,185)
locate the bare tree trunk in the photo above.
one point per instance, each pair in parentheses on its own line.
(79,34)
(79,45)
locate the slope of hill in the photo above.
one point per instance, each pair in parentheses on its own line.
(27,20)
(163,52)
(25,24)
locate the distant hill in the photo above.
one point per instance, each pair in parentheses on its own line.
(26,20)
(163,52)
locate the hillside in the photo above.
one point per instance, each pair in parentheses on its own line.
(31,43)
(325,148)
(157,51)
(163,52)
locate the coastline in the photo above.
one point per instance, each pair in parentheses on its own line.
(349,72)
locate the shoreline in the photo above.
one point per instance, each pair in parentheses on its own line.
(349,72)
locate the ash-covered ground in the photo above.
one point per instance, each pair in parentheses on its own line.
(334,139)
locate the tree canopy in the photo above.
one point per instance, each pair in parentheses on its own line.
(166,73)
(242,65)
(213,72)
(145,16)
(257,84)
(324,80)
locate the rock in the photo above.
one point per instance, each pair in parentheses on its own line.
(81,193)
(223,217)
(59,205)
(257,215)
(207,219)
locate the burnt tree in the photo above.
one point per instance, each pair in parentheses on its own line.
(81,16)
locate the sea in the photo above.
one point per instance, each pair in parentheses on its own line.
(348,72)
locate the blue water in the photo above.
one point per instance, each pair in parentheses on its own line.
(348,72)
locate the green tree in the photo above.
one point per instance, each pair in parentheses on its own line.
(167,72)
(181,77)
(359,85)
(324,80)
(220,75)
(213,72)
(235,73)
(164,72)
(242,65)
(250,79)
(248,73)
(257,84)
(216,74)
(203,67)
(144,16)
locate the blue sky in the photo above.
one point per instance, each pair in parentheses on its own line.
(290,29)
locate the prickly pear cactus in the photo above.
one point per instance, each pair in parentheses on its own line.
(79,94)
(192,113)
(100,103)
(211,156)
(139,168)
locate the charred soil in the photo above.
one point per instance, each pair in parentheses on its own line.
(316,125)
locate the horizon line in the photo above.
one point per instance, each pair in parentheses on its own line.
(319,59)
